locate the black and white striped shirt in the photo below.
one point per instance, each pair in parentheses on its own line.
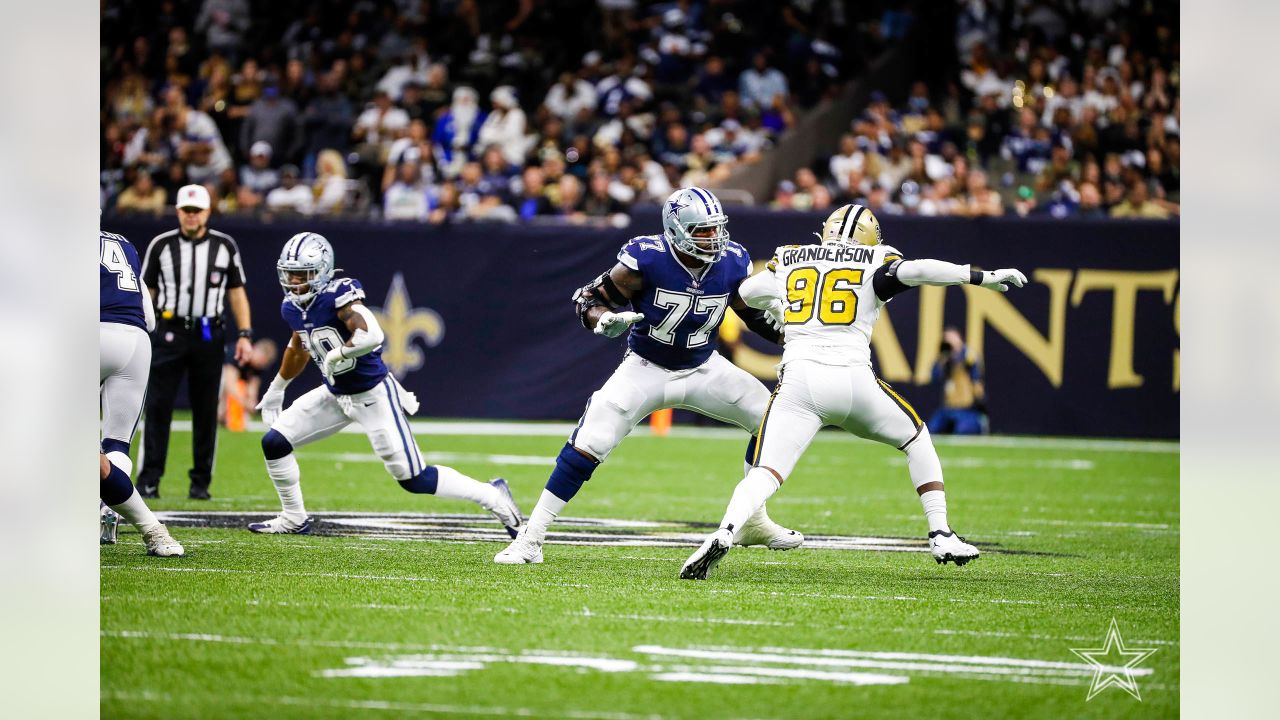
(191,277)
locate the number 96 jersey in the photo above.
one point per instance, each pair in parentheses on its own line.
(831,303)
(320,330)
(682,308)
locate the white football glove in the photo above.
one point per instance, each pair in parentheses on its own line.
(272,404)
(612,324)
(996,279)
(331,360)
(773,314)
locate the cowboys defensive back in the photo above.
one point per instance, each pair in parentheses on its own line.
(830,296)
(680,283)
(125,316)
(332,327)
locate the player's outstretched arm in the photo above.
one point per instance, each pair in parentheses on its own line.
(600,301)
(757,304)
(894,277)
(292,364)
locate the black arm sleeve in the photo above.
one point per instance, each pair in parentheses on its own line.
(757,321)
(601,292)
(886,282)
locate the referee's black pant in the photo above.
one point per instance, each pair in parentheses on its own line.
(177,350)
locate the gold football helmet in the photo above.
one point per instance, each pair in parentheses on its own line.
(852,223)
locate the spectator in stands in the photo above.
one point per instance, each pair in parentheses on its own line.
(570,98)
(959,370)
(199,144)
(444,205)
(327,119)
(981,200)
(223,23)
(760,84)
(142,196)
(849,158)
(598,202)
(436,92)
(805,184)
(712,81)
(406,198)
(415,148)
(377,127)
(274,120)
(532,200)
(257,178)
(291,196)
(504,127)
(1090,202)
(496,171)
(784,196)
(330,187)
(1137,204)
(478,199)
(457,130)
(569,198)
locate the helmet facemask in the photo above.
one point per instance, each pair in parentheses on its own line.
(694,223)
(310,256)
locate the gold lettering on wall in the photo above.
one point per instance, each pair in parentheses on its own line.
(987,307)
(929,339)
(1124,286)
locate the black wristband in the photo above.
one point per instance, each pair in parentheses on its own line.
(246,333)
(975,277)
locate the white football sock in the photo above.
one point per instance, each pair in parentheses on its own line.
(750,495)
(452,484)
(285,475)
(935,509)
(548,509)
(136,511)
(924,466)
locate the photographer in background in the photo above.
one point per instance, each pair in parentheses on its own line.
(963,410)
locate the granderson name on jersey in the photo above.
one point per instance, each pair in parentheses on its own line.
(321,331)
(682,308)
(120,293)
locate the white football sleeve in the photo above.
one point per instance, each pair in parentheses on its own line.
(760,290)
(932,272)
(363,341)
(148,312)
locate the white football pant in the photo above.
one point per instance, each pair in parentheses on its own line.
(811,395)
(716,388)
(124,364)
(319,413)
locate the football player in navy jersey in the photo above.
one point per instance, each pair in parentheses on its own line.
(332,327)
(679,284)
(125,316)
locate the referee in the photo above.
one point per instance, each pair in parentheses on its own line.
(190,271)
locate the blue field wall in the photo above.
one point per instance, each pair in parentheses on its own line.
(479,322)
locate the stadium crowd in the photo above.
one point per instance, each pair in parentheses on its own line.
(439,111)
(1062,109)
(458,109)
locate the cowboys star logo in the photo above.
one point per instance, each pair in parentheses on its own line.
(675,206)
(401,323)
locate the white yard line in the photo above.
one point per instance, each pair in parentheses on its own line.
(559,429)
(387,705)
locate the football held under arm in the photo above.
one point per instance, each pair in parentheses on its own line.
(366,333)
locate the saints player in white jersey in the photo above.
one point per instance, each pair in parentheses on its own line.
(831,296)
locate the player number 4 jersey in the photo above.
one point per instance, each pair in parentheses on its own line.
(831,306)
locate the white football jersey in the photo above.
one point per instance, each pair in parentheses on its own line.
(831,306)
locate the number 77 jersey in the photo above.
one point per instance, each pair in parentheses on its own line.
(682,308)
(831,302)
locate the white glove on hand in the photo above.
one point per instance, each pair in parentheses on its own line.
(613,324)
(331,360)
(996,279)
(773,314)
(272,403)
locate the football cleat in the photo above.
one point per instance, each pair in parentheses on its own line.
(160,543)
(711,552)
(521,551)
(507,512)
(950,547)
(759,529)
(280,525)
(108,526)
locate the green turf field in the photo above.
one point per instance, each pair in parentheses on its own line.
(408,616)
